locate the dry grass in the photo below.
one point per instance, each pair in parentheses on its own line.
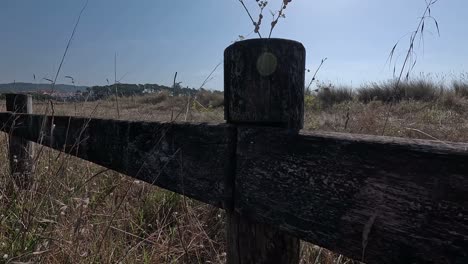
(460,88)
(78,212)
(139,108)
(329,95)
(422,90)
(445,119)
(417,90)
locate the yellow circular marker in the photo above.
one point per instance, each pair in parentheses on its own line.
(266,64)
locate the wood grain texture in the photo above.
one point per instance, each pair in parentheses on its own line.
(263,85)
(376,199)
(21,151)
(264,82)
(255,242)
(186,158)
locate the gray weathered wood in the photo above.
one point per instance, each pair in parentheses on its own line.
(20,149)
(264,85)
(409,196)
(186,158)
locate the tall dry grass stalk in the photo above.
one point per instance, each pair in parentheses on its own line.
(410,60)
(276,16)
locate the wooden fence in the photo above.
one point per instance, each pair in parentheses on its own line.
(372,198)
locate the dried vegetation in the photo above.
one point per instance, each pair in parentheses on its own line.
(78,212)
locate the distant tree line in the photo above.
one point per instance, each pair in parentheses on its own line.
(124,89)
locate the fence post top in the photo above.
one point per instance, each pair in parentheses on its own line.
(264,41)
(264,83)
(19,103)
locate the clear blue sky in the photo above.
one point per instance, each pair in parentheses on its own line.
(153,39)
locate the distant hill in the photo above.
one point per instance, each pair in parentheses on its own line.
(32,87)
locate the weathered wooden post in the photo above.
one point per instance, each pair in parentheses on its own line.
(20,150)
(263,86)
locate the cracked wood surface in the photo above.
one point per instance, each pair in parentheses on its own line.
(189,159)
(376,199)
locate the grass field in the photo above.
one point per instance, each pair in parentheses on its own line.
(78,212)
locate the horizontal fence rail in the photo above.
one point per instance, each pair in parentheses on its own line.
(185,158)
(385,198)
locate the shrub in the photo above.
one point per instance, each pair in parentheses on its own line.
(420,90)
(173,103)
(210,99)
(375,92)
(450,100)
(460,88)
(155,98)
(417,90)
(330,95)
(310,101)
